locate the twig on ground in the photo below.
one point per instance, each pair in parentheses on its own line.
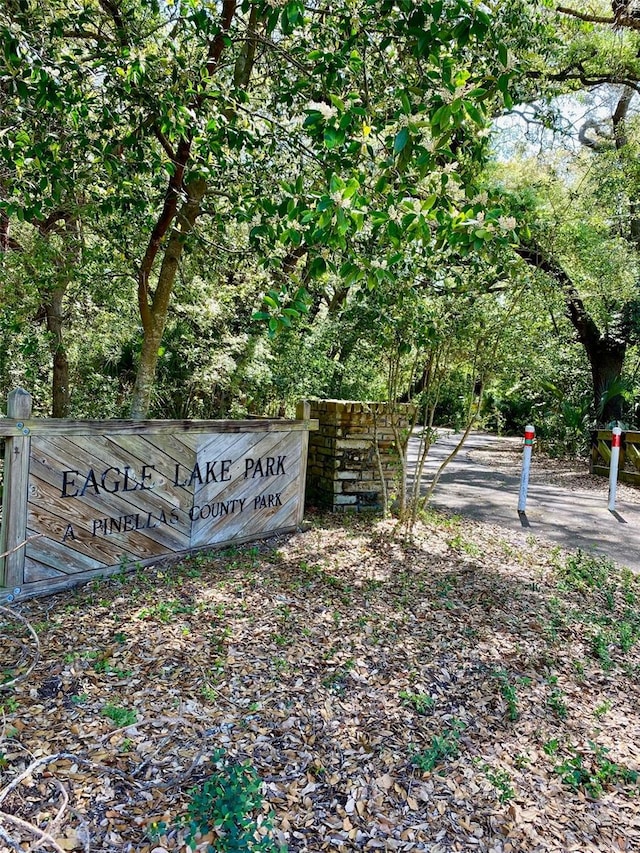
(12,614)
(54,826)
(43,836)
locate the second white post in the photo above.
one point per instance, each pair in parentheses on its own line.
(616,441)
(529,435)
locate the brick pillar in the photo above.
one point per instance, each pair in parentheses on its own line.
(343,471)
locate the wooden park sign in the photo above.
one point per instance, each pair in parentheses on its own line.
(84,498)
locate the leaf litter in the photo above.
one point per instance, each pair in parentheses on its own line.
(468,689)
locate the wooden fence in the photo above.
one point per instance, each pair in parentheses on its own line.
(629,463)
(87,498)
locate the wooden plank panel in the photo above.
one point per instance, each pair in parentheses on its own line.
(251,447)
(14,496)
(241,505)
(629,477)
(221,446)
(53,456)
(181,449)
(120,451)
(633,455)
(58,555)
(133,533)
(35,571)
(58,426)
(253,523)
(105,551)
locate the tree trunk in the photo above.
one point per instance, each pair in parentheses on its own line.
(155,318)
(60,377)
(606,355)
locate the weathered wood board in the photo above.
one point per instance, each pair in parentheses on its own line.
(629,461)
(110,495)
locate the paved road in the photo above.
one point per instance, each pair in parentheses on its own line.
(570,518)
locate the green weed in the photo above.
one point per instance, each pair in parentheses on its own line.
(421,702)
(500,780)
(584,572)
(120,716)
(230,803)
(509,692)
(593,773)
(442,747)
(557,704)
(602,710)
(337,680)
(103,666)
(165,611)
(600,643)
(9,705)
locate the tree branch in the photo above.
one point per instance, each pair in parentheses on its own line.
(581,320)
(585,16)
(620,19)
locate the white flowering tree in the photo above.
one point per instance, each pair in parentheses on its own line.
(339,135)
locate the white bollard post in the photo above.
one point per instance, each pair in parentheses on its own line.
(529,434)
(616,441)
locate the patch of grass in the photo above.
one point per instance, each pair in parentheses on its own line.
(600,648)
(556,702)
(166,611)
(593,773)
(551,746)
(583,572)
(509,692)
(500,780)
(628,633)
(103,666)
(9,705)
(420,702)
(337,680)
(442,747)
(119,715)
(602,710)
(281,665)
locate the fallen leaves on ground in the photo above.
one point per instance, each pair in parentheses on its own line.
(453,692)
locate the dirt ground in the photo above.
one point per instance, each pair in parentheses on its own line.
(454,691)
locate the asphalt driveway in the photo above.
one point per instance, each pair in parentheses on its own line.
(568,508)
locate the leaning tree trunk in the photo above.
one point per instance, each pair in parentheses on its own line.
(155,316)
(606,355)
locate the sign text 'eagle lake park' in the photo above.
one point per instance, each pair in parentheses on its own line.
(103,494)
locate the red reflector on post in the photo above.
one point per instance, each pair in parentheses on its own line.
(616,440)
(529,433)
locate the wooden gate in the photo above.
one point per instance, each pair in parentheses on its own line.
(629,463)
(87,498)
